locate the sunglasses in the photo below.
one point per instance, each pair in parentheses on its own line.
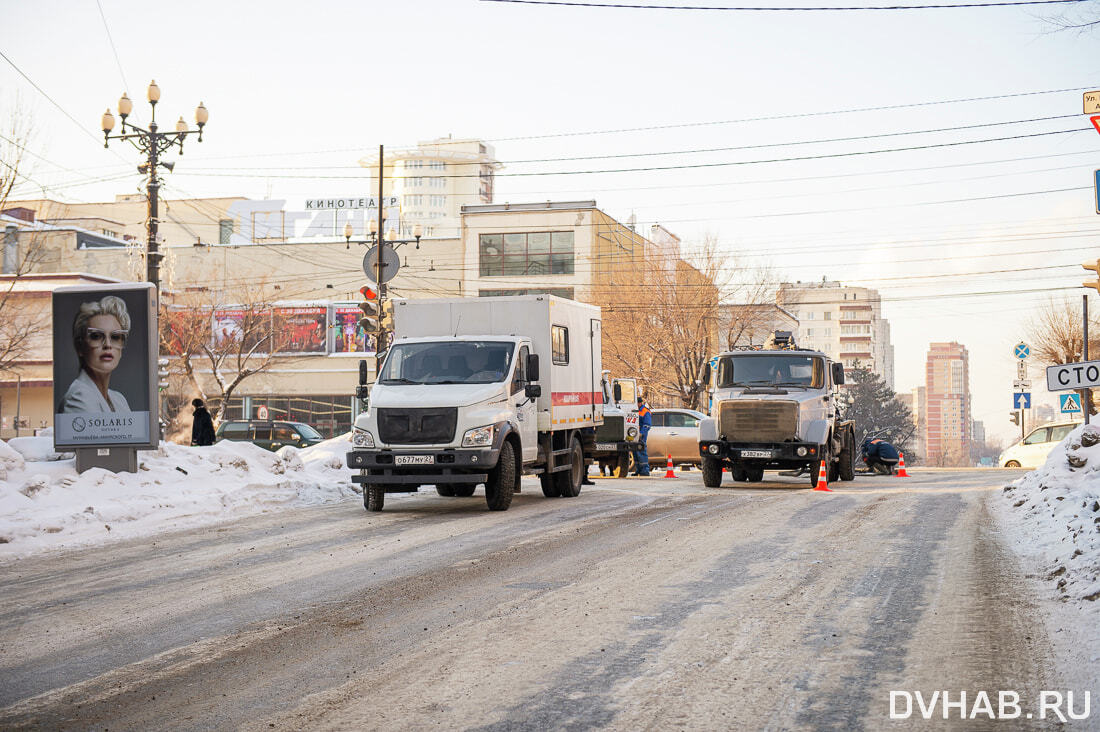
(97,337)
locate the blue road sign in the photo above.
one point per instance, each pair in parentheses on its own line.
(1021,400)
(1071,403)
(1022,351)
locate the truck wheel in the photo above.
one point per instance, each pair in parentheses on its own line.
(374,497)
(502,480)
(549,487)
(445,489)
(625,463)
(569,481)
(712,472)
(754,475)
(847,468)
(464,490)
(738,473)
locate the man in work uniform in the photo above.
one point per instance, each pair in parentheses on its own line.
(645,421)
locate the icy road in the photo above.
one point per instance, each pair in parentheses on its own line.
(642,604)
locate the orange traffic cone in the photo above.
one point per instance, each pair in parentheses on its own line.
(668,470)
(901,466)
(822,480)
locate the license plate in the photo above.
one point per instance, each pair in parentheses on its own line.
(606,446)
(757,454)
(414,460)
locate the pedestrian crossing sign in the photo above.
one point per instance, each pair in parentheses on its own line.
(1071,403)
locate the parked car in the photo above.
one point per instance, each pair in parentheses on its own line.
(1032,451)
(674,432)
(269,434)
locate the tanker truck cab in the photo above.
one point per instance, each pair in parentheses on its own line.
(464,397)
(775,409)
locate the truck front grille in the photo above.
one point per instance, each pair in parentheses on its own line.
(433,426)
(758,421)
(611,430)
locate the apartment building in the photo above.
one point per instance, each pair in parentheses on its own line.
(947,417)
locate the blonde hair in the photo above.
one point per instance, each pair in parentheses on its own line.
(109,305)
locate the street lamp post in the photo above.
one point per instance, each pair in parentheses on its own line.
(153,144)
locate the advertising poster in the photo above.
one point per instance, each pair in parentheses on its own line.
(301,329)
(104,361)
(348,336)
(241,326)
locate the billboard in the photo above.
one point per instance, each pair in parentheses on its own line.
(348,337)
(301,329)
(105,366)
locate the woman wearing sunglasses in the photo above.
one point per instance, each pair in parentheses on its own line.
(100,330)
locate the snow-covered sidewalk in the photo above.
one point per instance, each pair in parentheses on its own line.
(45,504)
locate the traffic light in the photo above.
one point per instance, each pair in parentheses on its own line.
(387,316)
(369,306)
(1014,417)
(1095,267)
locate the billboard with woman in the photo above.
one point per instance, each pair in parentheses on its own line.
(104,366)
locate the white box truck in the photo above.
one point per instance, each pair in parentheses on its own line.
(481,391)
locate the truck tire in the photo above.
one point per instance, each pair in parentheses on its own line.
(374,497)
(712,472)
(445,489)
(569,481)
(625,462)
(847,469)
(549,487)
(464,490)
(738,473)
(754,475)
(502,480)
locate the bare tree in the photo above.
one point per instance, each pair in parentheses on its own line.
(217,346)
(23,324)
(1083,17)
(1056,336)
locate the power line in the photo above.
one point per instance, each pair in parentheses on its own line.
(625,6)
(48,97)
(111,40)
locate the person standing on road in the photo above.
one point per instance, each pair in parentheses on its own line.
(645,421)
(202,428)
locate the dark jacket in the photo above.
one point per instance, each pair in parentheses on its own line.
(202,429)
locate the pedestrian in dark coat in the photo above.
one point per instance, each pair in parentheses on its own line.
(202,428)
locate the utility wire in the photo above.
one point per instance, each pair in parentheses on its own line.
(48,97)
(624,6)
(111,40)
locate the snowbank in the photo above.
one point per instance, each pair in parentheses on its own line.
(1055,513)
(45,504)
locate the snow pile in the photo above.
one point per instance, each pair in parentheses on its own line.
(1056,509)
(45,504)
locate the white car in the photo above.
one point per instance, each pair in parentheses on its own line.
(1032,451)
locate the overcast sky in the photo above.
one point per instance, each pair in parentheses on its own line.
(299,92)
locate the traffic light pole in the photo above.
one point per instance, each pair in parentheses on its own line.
(1086,394)
(380,338)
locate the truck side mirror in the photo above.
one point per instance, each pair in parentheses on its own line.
(838,373)
(532,391)
(706,373)
(532,367)
(363,370)
(618,392)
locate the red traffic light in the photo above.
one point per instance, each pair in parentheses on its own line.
(368,293)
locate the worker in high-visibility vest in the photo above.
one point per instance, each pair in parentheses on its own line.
(645,421)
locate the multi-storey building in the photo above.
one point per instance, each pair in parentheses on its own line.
(845,323)
(947,416)
(435,179)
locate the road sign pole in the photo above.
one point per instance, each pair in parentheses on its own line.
(1086,394)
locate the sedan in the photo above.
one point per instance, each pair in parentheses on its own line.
(674,432)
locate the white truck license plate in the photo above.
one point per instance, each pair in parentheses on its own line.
(606,446)
(756,454)
(414,460)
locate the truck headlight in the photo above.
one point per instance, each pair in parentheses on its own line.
(361,438)
(478,437)
(631,433)
(801,452)
(713,449)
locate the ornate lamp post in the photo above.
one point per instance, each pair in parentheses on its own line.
(153,144)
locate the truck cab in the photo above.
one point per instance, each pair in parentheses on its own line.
(619,431)
(775,409)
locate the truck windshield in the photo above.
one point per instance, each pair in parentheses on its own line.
(779,369)
(448,362)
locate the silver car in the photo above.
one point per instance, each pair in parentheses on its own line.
(674,432)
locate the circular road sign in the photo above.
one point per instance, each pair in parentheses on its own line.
(390,264)
(1022,350)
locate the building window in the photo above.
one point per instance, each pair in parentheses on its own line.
(559,344)
(535,253)
(436,165)
(413,164)
(566,292)
(225,230)
(828,315)
(414,200)
(414,182)
(438,201)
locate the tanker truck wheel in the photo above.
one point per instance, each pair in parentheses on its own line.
(712,472)
(374,497)
(502,480)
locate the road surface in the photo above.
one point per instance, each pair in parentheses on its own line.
(645,603)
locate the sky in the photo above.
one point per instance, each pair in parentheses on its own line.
(697,112)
